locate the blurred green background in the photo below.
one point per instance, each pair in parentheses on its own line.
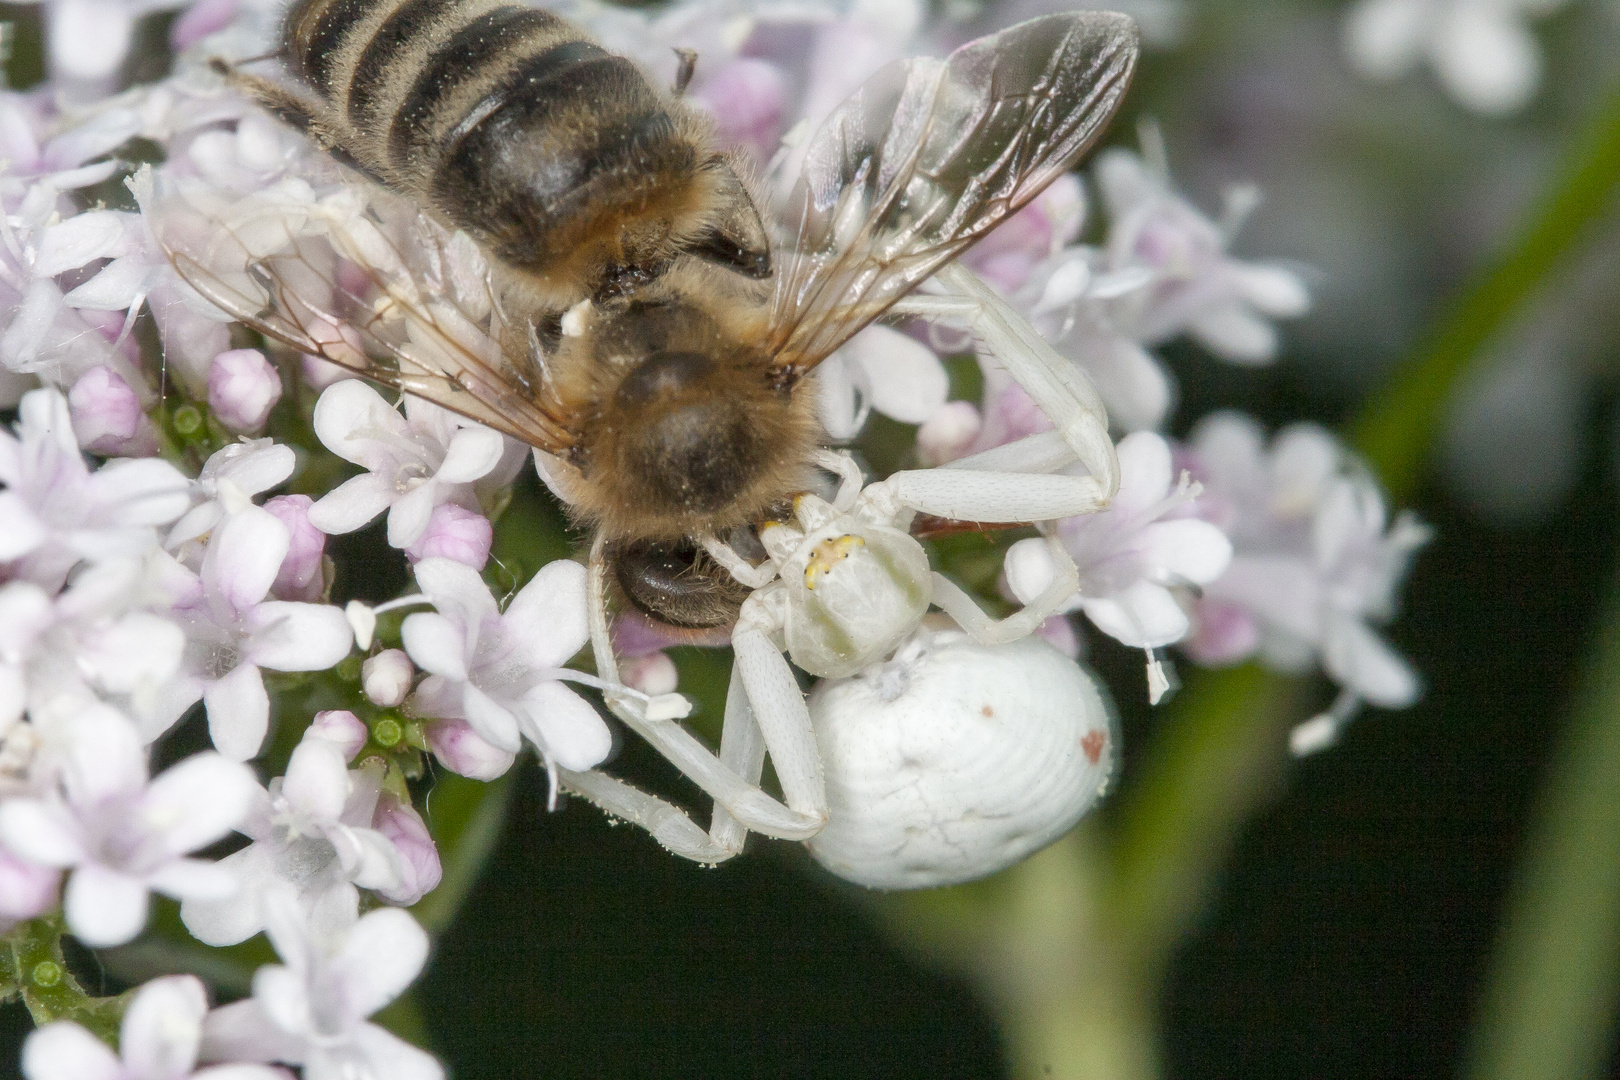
(1436,896)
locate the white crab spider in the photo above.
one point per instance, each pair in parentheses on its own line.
(844,584)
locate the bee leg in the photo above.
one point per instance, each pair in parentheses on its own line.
(684,73)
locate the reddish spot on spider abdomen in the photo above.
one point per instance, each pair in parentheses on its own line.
(1092,744)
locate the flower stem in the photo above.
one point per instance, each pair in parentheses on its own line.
(32,965)
(1551,994)
(1395,431)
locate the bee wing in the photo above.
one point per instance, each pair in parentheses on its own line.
(359,279)
(927,158)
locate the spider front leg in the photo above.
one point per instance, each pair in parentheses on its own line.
(974,495)
(655,722)
(1054,383)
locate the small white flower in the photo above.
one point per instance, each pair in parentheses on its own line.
(1485,55)
(229,481)
(1196,287)
(233,630)
(311,830)
(502,671)
(55,511)
(1315,559)
(311,1010)
(884,370)
(414,462)
(158,1040)
(1131,555)
(124,835)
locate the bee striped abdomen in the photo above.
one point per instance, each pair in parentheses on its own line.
(550,151)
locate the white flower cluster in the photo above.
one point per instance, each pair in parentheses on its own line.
(1482,50)
(148,566)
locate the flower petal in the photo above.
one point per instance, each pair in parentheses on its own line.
(103,907)
(1188,548)
(65,1051)
(1360,660)
(350,418)
(1144,471)
(565,727)
(1144,616)
(197,801)
(353,504)
(455,589)
(408,517)
(243,557)
(380,958)
(194,879)
(494,723)
(163,1026)
(242,1031)
(236,917)
(317,780)
(436,644)
(238,712)
(473,451)
(41,832)
(291,636)
(547,618)
(391,1056)
(904,377)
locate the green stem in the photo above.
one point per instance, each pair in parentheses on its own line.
(1551,994)
(31,964)
(465,818)
(1395,431)
(1219,754)
(1220,748)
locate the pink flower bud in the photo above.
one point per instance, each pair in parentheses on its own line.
(386,677)
(1059,633)
(26,890)
(419,858)
(947,434)
(107,416)
(242,389)
(652,674)
(454,532)
(302,575)
(320,374)
(460,750)
(746,99)
(1225,634)
(341,727)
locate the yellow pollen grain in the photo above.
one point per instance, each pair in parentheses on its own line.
(828,554)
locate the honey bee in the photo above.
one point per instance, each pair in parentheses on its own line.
(639,323)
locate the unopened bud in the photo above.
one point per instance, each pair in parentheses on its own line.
(454,532)
(386,677)
(242,389)
(460,750)
(341,728)
(419,857)
(302,574)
